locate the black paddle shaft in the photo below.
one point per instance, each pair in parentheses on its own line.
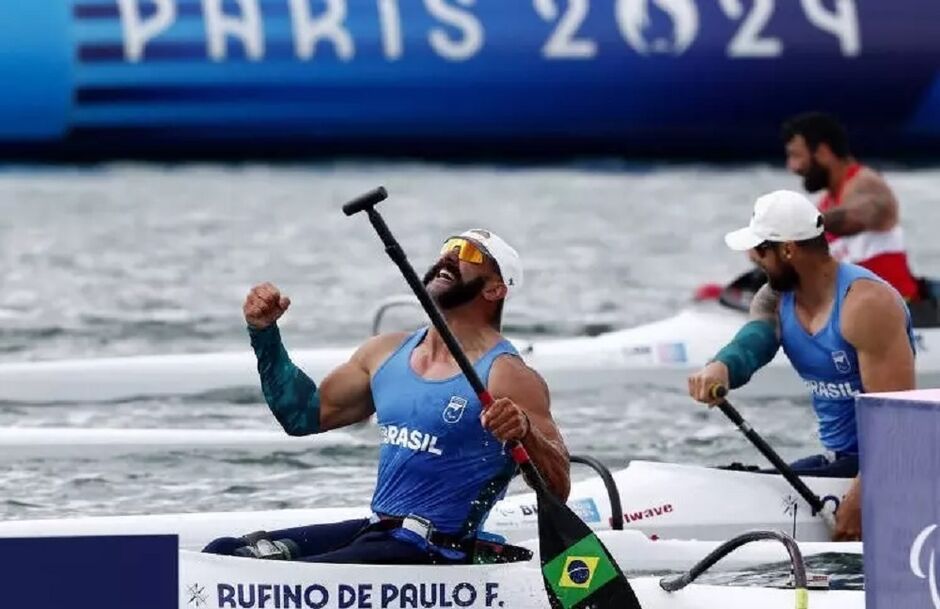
(731,412)
(367,203)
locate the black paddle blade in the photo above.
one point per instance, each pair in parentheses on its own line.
(577,569)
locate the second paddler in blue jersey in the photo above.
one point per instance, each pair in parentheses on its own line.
(442,462)
(844,329)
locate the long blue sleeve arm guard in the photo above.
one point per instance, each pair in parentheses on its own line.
(290,394)
(753,347)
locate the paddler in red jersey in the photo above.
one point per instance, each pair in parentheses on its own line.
(860,212)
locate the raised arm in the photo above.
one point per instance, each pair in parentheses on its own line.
(296,402)
(752,348)
(521,411)
(346,393)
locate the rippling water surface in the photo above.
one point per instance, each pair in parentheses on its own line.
(147,259)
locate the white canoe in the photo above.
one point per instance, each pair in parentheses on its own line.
(219,582)
(661,353)
(68,443)
(664,500)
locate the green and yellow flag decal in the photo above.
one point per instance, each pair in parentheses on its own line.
(579,571)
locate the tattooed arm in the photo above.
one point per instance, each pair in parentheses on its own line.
(752,348)
(764,307)
(868,204)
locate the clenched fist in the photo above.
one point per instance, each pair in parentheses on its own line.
(505,420)
(703,382)
(264,305)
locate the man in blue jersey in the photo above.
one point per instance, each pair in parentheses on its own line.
(442,462)
(845,331)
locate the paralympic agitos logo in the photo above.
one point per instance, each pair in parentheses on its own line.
(916,562)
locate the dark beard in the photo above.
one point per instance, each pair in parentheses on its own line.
(786,281)
(435,269)
(459,293)
(816,178)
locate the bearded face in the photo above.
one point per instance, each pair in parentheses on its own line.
(784,278)
(447,287)
(801,160)
(815,177)
(781,274)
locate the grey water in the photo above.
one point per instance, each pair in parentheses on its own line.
(128,259)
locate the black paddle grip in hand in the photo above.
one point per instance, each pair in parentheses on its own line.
(366,201)
(719,392)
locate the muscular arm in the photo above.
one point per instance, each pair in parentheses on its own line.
(346,392)
(295,400)
(867,204)
(512,378)
(752,348)
(756,343)
(874,322)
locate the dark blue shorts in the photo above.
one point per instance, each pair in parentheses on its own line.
(351,541)
(844,465)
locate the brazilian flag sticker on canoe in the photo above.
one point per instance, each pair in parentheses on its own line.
(579,571)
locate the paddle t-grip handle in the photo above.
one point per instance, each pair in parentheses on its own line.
(365,201)
(718,392)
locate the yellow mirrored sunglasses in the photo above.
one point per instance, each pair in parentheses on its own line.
(467,250)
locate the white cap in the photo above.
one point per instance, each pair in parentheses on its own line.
(506,258)
(782,215)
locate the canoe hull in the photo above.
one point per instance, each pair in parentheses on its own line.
(664,500)
(225,582)
(660,354)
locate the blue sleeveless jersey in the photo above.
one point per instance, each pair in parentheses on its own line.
(828,364)
(436,460)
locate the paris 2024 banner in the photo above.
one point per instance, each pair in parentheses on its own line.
(614,75)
